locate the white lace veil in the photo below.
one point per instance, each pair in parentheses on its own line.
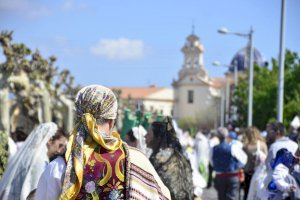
(140,133)
(25,168)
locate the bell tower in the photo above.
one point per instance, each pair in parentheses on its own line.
(192,89)
(193,63)
(193,53)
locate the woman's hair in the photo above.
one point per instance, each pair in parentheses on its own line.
(165,133)
(19,135)
(59,134)
(222,133)
(278,127)
(131,136)
(31,195)
(252,135)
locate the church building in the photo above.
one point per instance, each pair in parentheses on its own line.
(196,95)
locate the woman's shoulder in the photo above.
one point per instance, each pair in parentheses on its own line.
(57,166)
(139,163)
(59,161)
(164,155)
(136,156)
(264,146)
(132,150)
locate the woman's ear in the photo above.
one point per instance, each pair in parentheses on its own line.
(49,142)
(111,124)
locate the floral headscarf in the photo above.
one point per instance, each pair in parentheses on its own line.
(93,104)
(97,100)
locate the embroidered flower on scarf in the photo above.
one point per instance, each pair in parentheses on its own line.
(90,187)
(114,186)
(92,163)
(114,195)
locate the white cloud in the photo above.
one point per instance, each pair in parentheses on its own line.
(119,49)
(26,8)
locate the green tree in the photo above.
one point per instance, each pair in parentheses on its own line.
(265,86)
(3,152)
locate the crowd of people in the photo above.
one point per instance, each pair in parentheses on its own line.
(159,161)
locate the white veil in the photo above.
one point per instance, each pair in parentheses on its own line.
(139,133)
(25,168)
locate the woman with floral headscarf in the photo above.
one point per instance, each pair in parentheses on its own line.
(98,165)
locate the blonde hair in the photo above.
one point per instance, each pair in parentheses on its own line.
(252,135)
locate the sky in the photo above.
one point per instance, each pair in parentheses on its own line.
(138,42)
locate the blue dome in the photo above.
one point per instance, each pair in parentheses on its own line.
(241,59)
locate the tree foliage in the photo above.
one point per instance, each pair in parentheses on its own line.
(3,152)
(22,60)
(35,84)
(265,86)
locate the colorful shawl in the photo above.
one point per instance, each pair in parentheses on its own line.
(95,104)
(142,181)
(81,145)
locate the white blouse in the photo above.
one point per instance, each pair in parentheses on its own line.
(50,183)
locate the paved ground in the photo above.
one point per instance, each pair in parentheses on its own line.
(210,194)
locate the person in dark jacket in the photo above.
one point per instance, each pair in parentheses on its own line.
(227,160)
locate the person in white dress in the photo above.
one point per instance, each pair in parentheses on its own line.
(25,168)
(202,154)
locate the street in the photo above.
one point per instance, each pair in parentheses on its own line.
(210,194)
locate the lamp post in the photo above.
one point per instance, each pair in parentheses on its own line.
(249,36)
(281,65)
(222,111)
(225,108)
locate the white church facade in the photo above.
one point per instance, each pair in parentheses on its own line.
(196,95)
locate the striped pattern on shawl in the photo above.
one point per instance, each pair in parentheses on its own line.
(143,181)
